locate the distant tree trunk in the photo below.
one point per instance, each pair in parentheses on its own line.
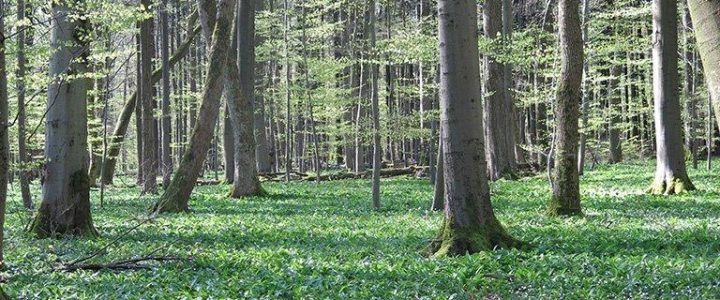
(706,19)
(65,208)
(167,162)
(262,156)
(123,121)
(689,87)
(615,113)
(22,40)
(586,92)
(499,122)
(288,82)
(566,183)
(240,92)
(4,136)
(138,108)
(439,190)
(149,134)
(670,174)
(308,88)
(470,224)
(176,196)
(377,147)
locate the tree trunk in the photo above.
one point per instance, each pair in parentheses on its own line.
(65,207)
(4,126)
(377,147)
(262,156)
(167,162)
(22,40)
(149,134)
(439,186)
(586,92)
(123,121)
(670,174)
(228,146)
(689,88)
(706,19)
(177,195)
(499,124)
(470,224)
(240,92)
(615,155)
(566,184)
(288,82)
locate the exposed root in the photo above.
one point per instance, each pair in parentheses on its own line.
(462,241)
(671,187)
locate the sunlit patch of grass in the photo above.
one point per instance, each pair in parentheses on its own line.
(307,240)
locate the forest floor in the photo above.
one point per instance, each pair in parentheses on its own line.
(324,241)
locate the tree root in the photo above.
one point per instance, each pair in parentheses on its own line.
(453,241)
(671,187)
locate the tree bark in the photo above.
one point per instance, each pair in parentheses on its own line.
(586,91)
(615,155)
(706,19)
(4,125)
(167,162)
(65,207)
(470,224)
(123,121)
(670,174)
(228,146)
(566,183)
(499,124)
(177,195)
(377,147)
(439,186)
(149,134)
(22,40)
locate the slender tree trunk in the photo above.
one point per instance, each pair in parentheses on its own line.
(22,40)
(689,88)
(670,174)
(439,186)
(308,88)
(177,195)
(706,19)
(566,184)
(586,92)
(288,82)
(615,155)
(470,224)
(65,207)
(228,146)
(167,162)
(4,125)
(377,147)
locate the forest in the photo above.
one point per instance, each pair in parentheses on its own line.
(347,149)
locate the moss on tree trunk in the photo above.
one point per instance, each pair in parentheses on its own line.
(454,241)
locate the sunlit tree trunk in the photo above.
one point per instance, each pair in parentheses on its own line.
(566,183)
(706,19)
(22,40)
(470,224)
(670,174)
(149,134)
(65,207)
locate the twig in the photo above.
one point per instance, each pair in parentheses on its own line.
(128,264)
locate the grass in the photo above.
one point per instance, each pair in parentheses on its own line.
(325,242)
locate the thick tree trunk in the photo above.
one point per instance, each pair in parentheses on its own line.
(499,124)
(65,207)
(22,40)
(177,195)
(123,121)
(670,174)
(706,19)
(240,92)
(470,224)
(149,134)
(566,183)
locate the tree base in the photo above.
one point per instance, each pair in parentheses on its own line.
(671,187)
(42,229)
(557,209)
(256,192)
(462,241)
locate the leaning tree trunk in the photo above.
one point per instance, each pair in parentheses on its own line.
(65,207)
(670,174)
(470,224)
(123,122)
(499,121)
(177,195)
(566,182)
(706,20)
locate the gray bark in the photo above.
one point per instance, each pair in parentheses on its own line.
(670,174)
(706,18)
(22,40)
(149,134)
(167,162)
(4,138)
(65,207)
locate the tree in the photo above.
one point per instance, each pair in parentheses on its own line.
(4,125)
(22,40)
(177,195)
(65,207)
(565,178)
(470,224)
(706,19)
(670,174)
(377,147)
(149,134)
(499,121)
(167,163)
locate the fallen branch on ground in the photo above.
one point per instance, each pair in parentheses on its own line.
(128,264)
